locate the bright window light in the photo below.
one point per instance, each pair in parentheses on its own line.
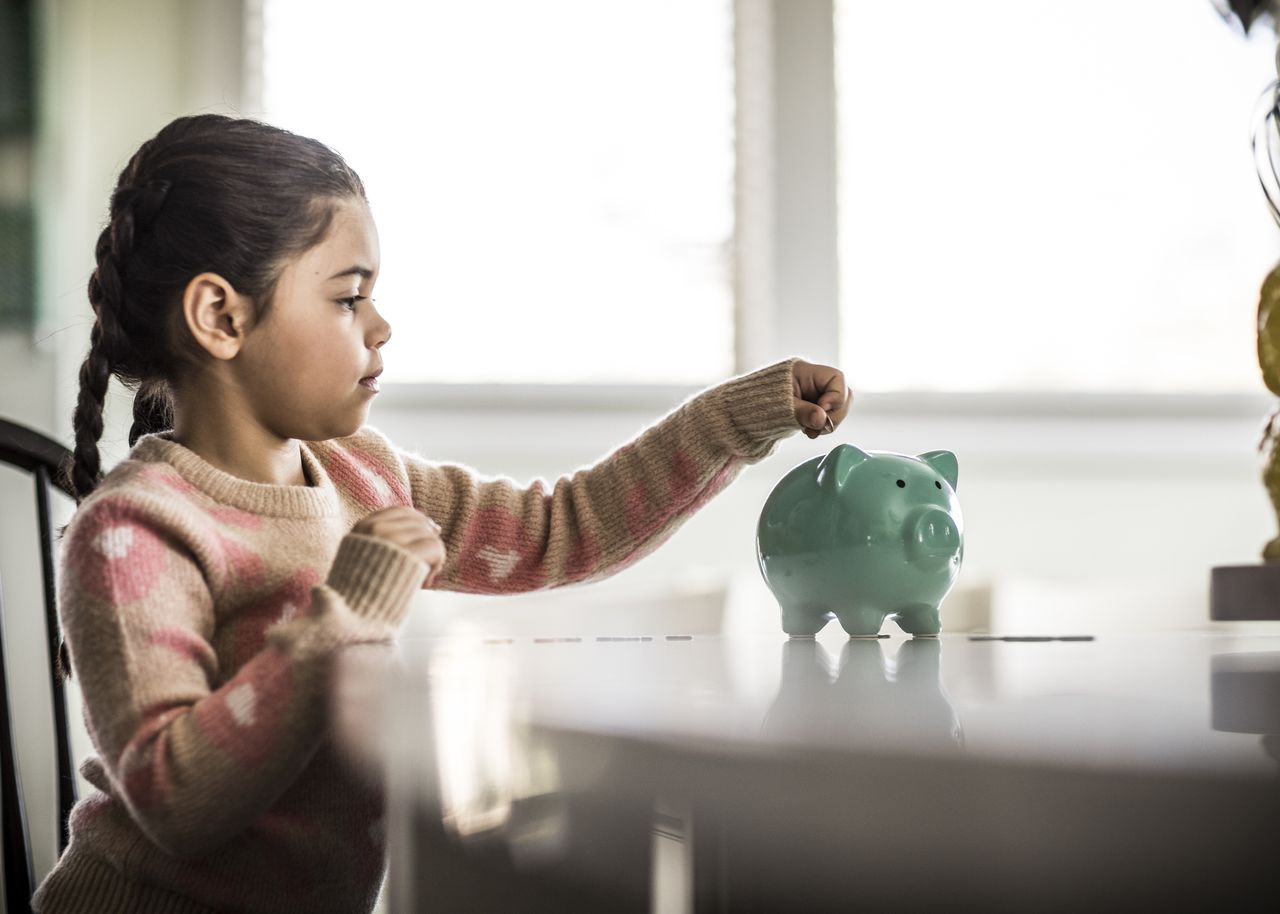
(552,180)
(1052,196)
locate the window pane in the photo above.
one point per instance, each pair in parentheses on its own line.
(1055,197)
(552,180)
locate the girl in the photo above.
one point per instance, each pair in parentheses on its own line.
(258,526)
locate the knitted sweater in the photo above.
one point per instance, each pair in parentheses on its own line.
(202,613)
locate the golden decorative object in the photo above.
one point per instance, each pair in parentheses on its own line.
(1269,361)
(1252,592)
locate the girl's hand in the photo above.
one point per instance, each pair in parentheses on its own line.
(412,531)
(821,398)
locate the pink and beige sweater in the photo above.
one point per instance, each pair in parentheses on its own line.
(202,613)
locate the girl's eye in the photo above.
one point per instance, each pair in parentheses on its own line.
(350,303)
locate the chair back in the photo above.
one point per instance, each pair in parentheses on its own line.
(45,459)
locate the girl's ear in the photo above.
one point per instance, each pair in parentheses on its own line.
(216,315)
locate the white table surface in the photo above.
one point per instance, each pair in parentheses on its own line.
(469,726)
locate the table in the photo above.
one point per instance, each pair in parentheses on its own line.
(675,773)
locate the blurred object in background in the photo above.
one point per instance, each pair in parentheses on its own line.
(1244,13)
(1031,605)
(17,142)
(690,604)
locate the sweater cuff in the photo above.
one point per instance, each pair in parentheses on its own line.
(758,409)
(377,579)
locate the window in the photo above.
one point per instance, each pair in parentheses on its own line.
(1057,198)
(552,180)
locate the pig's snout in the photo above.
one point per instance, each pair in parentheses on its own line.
(932,536)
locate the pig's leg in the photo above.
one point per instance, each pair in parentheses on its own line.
(804,619)
(861,621)
(921,620)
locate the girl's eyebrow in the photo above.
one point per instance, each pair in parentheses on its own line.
(357,270)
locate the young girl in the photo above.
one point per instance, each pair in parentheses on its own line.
(258,526)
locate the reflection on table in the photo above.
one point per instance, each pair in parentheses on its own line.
(868,697)
(1246,697)
(761,774)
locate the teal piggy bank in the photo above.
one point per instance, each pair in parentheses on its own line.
(863,536)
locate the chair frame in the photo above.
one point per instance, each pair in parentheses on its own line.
(47,461)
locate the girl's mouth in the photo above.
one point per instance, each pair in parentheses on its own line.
(370,382)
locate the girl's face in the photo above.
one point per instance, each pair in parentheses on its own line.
(311,365)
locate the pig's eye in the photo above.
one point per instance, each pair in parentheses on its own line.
(938,484)
(901,484)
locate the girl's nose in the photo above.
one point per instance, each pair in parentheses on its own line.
(380,332)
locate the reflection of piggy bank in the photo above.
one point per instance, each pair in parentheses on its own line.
(871,701)
(862,535)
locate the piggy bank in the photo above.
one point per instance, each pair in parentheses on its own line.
(863,536)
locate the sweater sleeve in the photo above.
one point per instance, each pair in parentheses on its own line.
(505,538)
(193,755)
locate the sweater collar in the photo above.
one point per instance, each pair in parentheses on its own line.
(317,500)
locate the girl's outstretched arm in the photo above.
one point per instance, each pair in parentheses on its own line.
(502,537)
(195,756)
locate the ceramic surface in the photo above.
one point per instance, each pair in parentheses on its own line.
(862,536)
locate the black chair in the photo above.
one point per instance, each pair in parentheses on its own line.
(45,460)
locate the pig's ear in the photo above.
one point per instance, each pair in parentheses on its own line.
(834,469)
(945,463)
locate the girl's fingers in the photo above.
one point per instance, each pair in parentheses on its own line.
(437,569)
(411,530)
(435,552)
(824,387)
(432,552)
(835,399)
(429,548)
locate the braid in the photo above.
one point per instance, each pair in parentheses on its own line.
(86,466)
(106,285)
(133,210)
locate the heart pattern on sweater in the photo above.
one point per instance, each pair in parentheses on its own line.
(242,702)
(115,542)
(501,563)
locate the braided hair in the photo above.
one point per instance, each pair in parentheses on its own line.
(208,193)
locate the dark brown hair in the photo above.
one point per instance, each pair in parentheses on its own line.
(208,193)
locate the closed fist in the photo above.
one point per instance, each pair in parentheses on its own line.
(412,531)
(820,397)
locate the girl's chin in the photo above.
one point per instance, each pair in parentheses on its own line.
(339,429)
(348,431)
